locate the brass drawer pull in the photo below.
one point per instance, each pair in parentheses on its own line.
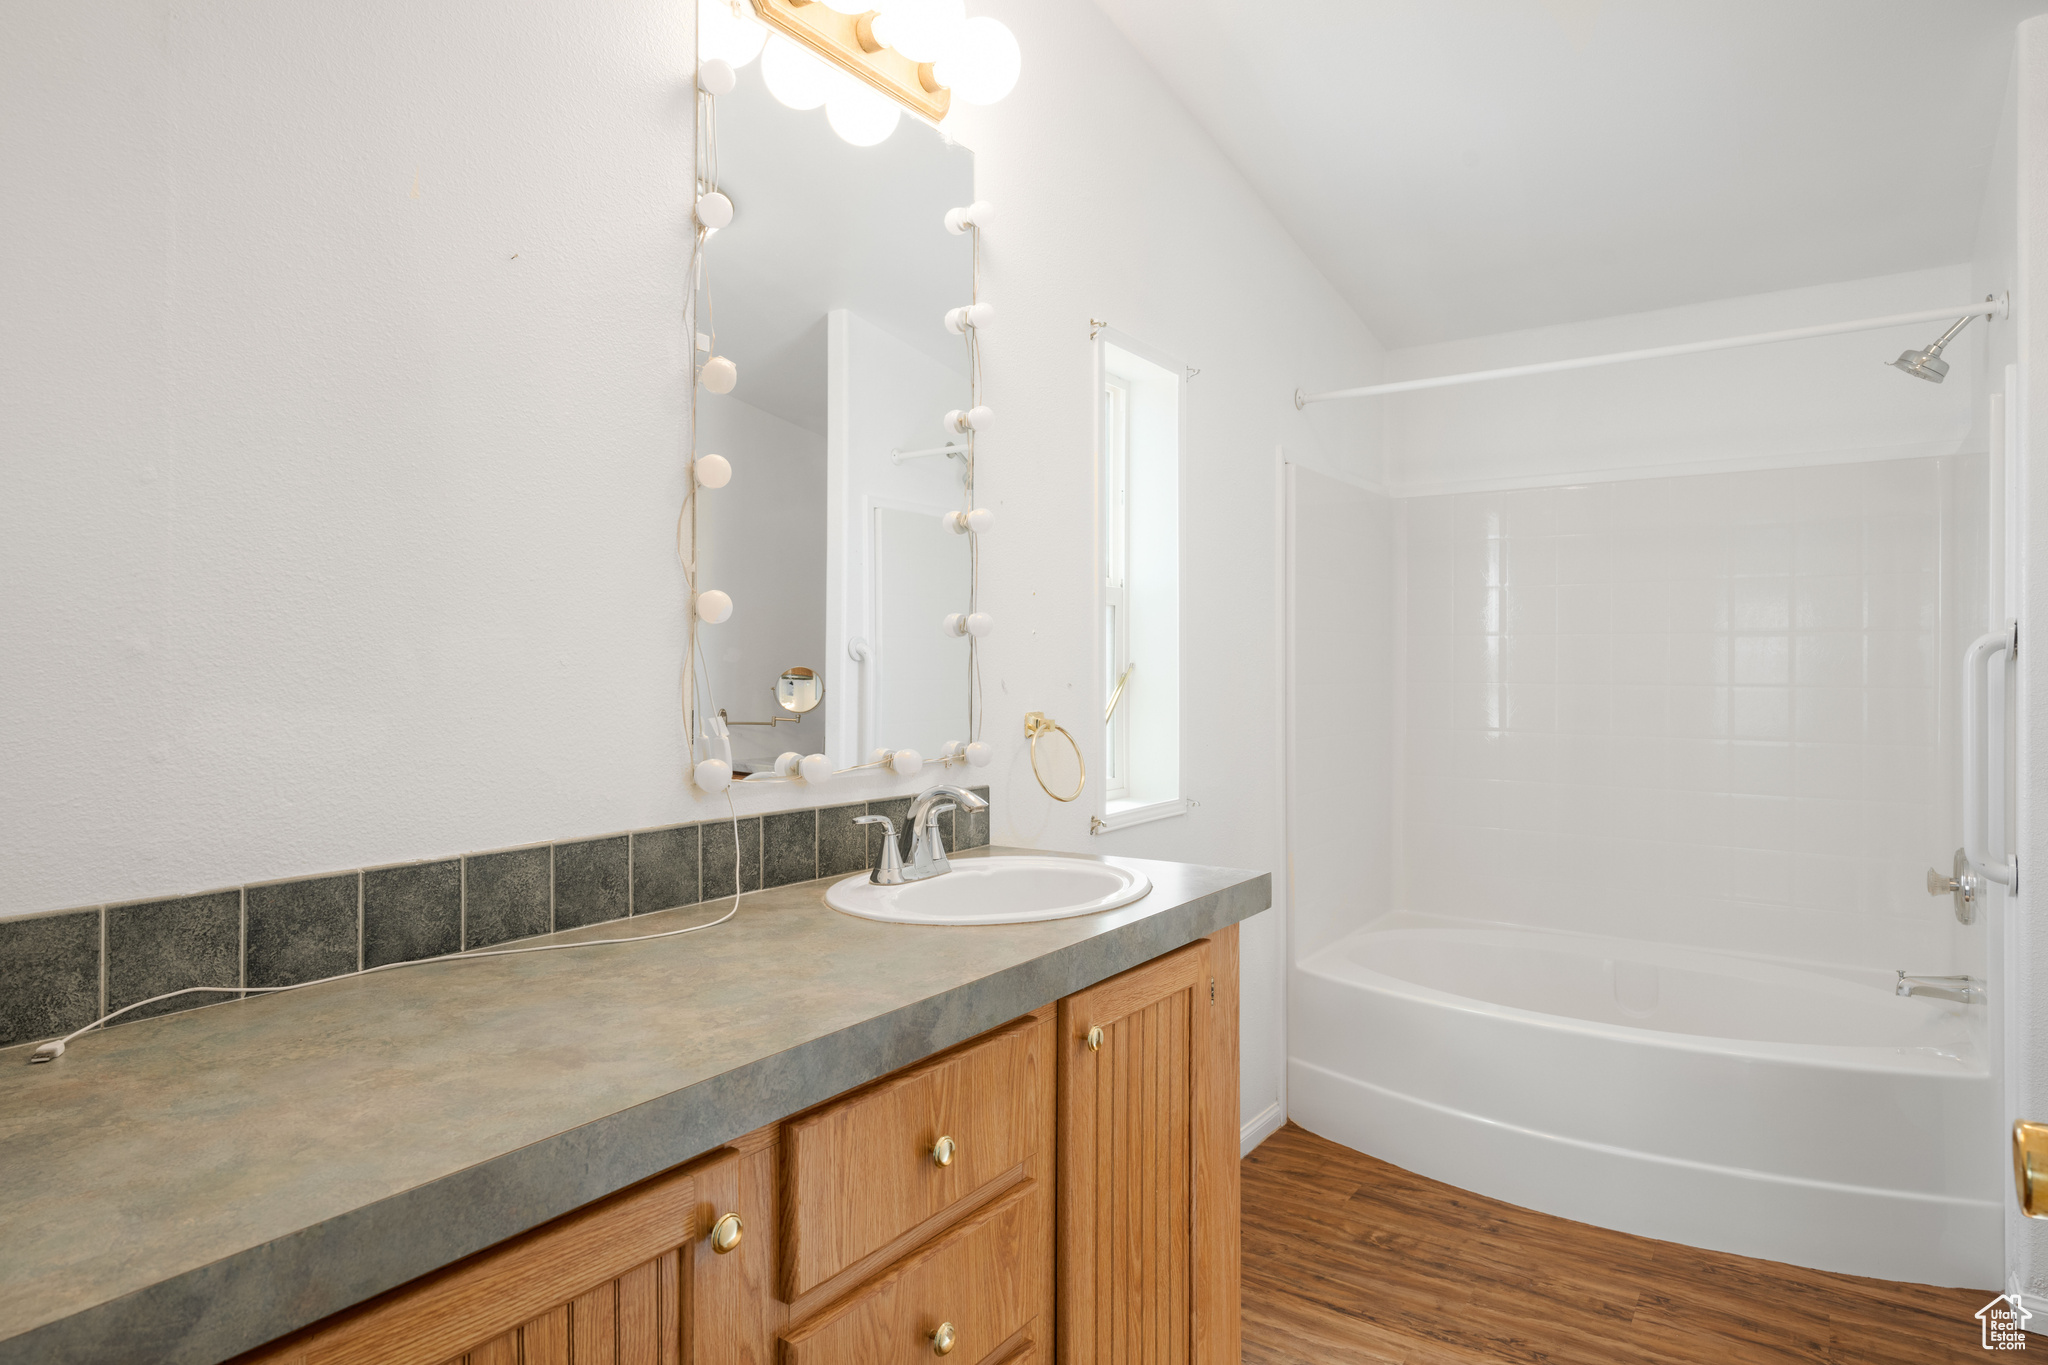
(1095,1039)
(942,1152)
(943,1339)
(726,1233)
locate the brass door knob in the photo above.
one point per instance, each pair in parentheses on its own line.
(726,1233)
(943,1339)
(2030,1167)
(942,1152)
(1095,1039)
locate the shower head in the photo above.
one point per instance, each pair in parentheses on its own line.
(1927,363)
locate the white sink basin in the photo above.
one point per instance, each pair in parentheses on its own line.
(1010,890)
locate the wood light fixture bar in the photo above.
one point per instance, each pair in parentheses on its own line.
(848,42)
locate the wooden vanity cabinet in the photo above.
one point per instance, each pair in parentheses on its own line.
(1148,1185)
(629,1280)
(1025,1198)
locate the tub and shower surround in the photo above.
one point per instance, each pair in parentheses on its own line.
(1705,710)
(1669,758)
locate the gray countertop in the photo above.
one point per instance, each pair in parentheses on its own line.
(184,1188)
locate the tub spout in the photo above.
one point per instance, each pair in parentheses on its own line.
(1967,990)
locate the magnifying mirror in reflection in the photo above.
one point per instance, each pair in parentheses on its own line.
(799,690)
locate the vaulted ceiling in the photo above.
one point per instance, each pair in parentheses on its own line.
(1463,167)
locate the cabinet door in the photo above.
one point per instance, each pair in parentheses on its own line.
(1148,1208)
(631,1280)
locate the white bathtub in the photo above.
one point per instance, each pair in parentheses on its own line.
(1804,1116)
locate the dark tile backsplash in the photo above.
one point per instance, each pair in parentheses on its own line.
(593,880)
(718,856)
(50,967)
(59,972)
(507,895)
(789,847)
(156,947)
(666,869)
(303,930)
(412,911)
(842,845)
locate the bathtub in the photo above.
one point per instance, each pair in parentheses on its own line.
(1802,1115)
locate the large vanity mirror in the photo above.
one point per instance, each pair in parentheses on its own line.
(829,291)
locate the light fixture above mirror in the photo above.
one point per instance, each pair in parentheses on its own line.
(865,63)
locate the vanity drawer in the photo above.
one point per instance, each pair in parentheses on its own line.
(980,1280)
(862,1172)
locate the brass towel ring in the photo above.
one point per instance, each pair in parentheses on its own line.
(1037,723)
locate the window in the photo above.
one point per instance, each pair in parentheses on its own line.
(1142,396)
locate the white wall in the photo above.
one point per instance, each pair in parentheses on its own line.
(1823,399)
(2026,970)
(343,423)
(1114,207)
(338,389)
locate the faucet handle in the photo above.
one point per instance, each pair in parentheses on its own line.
(889,867)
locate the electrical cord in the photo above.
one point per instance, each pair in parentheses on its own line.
(50,1052)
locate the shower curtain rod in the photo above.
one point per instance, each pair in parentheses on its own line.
(1995,306)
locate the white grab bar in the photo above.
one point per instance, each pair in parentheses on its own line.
(1976,737)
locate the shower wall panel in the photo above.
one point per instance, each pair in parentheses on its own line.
(1703,709)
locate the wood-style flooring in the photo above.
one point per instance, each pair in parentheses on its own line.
(1351,1261)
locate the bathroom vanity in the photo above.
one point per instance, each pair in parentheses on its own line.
(800,1137)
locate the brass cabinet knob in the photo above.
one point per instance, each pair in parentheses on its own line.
(1095,1039)
(2030,1167)
(726,1233)
(943,1339)
(942,1152)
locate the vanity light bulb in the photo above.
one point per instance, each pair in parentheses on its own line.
(979,754)
(955,748)
(814,768)
(713,607)
(794,76)
(955,623)
(975,315)
(861,115)
(715,76)
(714,210)
(905,762)
(719,374)
(980,624)
(974,215)
(980,519)
(981,418)
(713,471)
(723,34)
(955,423)
(713,775)
(983,62)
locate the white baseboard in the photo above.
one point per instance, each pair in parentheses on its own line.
(1259,1127)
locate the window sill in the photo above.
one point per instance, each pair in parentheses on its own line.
(1124,814)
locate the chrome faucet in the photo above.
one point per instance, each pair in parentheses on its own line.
(1967,990)
(927,847)
(889,866)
